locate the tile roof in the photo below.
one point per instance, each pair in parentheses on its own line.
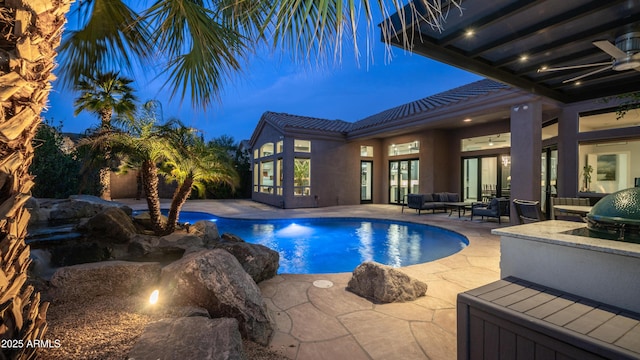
(447,98)
(283,120)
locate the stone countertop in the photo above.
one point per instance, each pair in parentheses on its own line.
(555,232)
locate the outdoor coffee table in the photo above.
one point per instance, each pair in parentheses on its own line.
(460,206)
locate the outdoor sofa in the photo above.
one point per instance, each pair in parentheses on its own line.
(433,202)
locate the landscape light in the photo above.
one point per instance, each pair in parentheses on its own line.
(154,297)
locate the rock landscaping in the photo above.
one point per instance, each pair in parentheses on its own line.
(215,281)
(384,284)
(211,277)
(190,338)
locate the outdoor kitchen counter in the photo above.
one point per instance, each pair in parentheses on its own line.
(596,269)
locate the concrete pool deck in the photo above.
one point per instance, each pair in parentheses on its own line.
(333,323)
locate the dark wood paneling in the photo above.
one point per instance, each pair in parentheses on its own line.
(539,323)
(507,344)
(524,348)
(491,341)
(476,338)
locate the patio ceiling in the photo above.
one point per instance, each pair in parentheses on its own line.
(510,40)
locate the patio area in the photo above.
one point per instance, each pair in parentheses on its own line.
(331,323)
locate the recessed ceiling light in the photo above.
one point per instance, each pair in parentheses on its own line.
(524,57)
(469,33)
(578,83)
(467,120)
(543,68)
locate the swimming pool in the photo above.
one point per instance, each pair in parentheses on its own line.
(330,245)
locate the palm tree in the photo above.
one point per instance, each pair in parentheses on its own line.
(191,165)
(105,94)
(142,147)
(201,42)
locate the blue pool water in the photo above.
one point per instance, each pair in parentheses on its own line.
(318,246)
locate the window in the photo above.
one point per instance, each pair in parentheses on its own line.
(256,177)
(266,149)
(255,154)
(404,149)
(279,147)
(550,130)
(302,177)
(366,151)
(279,178)
(302,146)
(605,167)
(609,120)
(266,177)
(494,141)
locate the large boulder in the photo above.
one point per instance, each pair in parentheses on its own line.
(384,284)
(81,206)
(174,244)
(257,260)
(80,251)
(207,230)
(189,338)
(215,280)
(144,220)
(32,205)
(112,225)
(86,281)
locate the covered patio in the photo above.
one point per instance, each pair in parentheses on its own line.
(573,53)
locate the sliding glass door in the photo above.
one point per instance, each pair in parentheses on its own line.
(404,179)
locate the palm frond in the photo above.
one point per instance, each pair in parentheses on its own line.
(315,28)
(201,44)
(112,37)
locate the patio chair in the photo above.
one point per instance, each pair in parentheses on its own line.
(528,211)
(496,208)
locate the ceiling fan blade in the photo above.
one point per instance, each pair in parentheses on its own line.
(573,67)
(610,49)
(588,74)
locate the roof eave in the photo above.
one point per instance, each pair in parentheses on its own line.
(434,118)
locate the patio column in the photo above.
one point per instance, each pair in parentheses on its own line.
(526,147)
(568,153)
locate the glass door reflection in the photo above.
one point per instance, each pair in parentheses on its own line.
(404,179)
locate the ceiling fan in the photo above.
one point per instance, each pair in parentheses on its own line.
(491,141)
(625,54)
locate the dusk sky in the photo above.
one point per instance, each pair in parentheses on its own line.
(272,82)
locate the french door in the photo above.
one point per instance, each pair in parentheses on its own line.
(366,182)
(549,184)
(484,178)
(403,179)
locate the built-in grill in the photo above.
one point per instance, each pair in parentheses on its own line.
(617,216)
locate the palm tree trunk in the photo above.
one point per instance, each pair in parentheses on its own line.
(138,184)
(105,183)
(31,31)
(150,184)
(179,198)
